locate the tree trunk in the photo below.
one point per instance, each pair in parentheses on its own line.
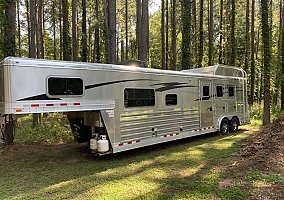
(252,64)
(33,29)
(277,68)
(40,29)
(9,49)
(221,33)
(54,30)
(167,35)
(186,34)
(211,30)
(144,32)
(163,34)
(60,31)
(266,59)
(29,28)
(74,30)
(106,31)
(126,29)
(138,26)
(112,30)
(19,29)
(84,32)
(233,40)
(201,35)
(97,34)
(174,33)
(122,50)
(117,46)
(282,61)
(33,43)
(247,38)
(90,43)
(194,32)
(66,37)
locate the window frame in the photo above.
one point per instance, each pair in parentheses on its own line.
(218,97)
(171,104)
(138,88)
(234,91)
(207,85)
(65,96)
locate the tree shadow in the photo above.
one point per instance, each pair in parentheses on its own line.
(69,171)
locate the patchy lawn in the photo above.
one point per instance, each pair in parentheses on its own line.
(194,168)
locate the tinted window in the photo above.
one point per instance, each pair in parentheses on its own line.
(205,91)
(65,86)
(219,90)
(171,99)
(139,97)
(231,91)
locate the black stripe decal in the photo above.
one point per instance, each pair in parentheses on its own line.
(114,82)
(171,85)
(38,97)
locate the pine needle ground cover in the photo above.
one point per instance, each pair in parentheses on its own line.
(194,168)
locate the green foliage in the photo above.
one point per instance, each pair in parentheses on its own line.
(53,129)
(233,193)
(268,177)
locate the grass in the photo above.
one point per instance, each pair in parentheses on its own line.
(53,129)
(186,169)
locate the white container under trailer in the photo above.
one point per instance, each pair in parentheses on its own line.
(117,108)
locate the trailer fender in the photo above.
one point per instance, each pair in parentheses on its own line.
(218,125)
(228,117)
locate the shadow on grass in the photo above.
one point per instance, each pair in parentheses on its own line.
(187,168)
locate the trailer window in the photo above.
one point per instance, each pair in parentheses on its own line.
(231,91)
(171,99)
(65,86)
(219,91)
(139,97)
(206,91)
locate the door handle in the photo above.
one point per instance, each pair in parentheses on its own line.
(210,109)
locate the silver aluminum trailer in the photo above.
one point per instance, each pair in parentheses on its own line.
(132,106)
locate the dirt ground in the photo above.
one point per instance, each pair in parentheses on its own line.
(263,154)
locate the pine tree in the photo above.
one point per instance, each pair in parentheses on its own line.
(66,40)
(211,30)
(84,32)
(232,37)
(174,33)
(252,60)
(201,35)
(186,34)
(74,30)
(266,59)
(163,34)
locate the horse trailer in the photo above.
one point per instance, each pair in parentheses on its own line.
(117,108)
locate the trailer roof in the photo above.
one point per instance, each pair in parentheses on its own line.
(211,71)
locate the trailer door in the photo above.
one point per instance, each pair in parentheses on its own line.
(206,103)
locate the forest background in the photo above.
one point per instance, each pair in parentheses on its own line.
(165,34)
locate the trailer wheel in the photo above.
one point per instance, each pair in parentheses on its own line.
(224,127)
(234,125)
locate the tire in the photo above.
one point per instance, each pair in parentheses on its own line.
(224,127)
(234,125)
